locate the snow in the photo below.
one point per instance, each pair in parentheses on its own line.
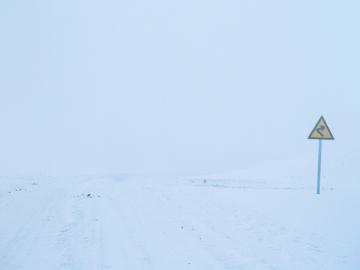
(266,217)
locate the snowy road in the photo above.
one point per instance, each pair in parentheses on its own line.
(160,224)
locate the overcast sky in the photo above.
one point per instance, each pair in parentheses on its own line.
(174,86)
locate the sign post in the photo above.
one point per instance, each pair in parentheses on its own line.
(320,132)
(319,168)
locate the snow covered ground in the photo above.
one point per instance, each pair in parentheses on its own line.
(267,217)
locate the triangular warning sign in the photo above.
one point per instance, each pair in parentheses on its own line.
(321,131)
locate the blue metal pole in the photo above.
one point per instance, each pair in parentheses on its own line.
(319,168)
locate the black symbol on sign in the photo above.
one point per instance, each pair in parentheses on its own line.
(320,130)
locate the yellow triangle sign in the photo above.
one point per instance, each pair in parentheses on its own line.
(321,131)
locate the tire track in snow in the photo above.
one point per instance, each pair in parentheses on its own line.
(20,246)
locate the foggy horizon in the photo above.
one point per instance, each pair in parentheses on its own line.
(180,87)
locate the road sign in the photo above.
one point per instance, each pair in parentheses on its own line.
(320,132)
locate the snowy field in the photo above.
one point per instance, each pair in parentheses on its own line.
(242,220)
(208,96)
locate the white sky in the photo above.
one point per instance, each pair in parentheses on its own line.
(174,86)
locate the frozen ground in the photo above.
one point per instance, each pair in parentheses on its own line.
(267,217)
